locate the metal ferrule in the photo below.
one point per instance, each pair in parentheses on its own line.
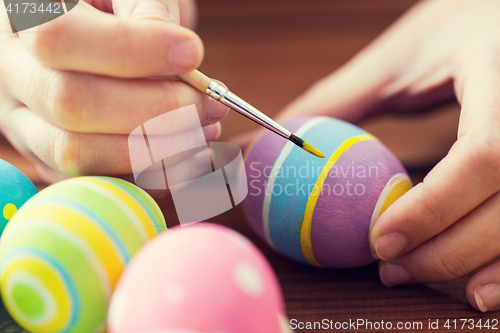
(229,99)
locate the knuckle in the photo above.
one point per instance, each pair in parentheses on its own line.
(425,203)
(447,265)
(63,101)
(68,153)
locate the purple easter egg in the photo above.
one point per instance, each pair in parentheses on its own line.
(319,211)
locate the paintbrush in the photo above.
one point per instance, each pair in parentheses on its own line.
(212,88)
(200,81)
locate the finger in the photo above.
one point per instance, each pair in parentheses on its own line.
(464,247)
(477,86)
(74,153)
(189,13)
(483,289)
(467,176)
(49,175)
(459,183)
(80,41)
(97,104)
(193,170)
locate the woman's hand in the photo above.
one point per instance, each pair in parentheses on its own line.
(448,225)
(73,89)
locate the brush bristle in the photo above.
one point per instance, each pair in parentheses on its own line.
(313,150)
(306,146)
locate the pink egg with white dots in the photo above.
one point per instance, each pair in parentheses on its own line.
(200,278)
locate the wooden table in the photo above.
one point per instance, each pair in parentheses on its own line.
(269,52)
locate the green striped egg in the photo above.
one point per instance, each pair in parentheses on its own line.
(64,250)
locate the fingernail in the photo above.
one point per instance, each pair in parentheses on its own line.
(393,275)
(388,246)
(487,297)
(152,10)
(184,54)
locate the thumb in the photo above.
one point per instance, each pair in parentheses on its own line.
(165,10)
(186,48)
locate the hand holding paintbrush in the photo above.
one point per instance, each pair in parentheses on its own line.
(74,88)
(201,82)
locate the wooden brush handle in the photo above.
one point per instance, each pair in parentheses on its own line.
(196,79)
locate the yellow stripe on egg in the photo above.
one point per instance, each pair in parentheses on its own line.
(126,202)
(283,155)
(57,306)
(306,224)
(101,246)
(115,195)
(398,185)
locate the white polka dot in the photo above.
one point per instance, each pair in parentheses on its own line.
(248,279)
(117,309)
(174,294)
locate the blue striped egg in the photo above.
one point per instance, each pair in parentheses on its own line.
(319,211)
